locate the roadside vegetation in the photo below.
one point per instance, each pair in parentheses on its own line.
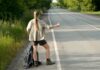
(14,16)
(12,39)
(95,13)
(84,6)
(81,5)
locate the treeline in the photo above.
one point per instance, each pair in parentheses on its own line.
(81,5)
(16,8)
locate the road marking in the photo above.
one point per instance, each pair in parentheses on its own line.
(94,27)
(70,30)
(63,13)
(56,49)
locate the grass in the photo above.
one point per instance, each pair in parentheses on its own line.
(12,38)
(95,13)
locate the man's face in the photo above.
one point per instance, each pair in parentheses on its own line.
(35,14)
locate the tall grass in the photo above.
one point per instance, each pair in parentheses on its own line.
(95,13)
(12,38)
(92,12)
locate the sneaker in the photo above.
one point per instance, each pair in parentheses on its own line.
(49,62)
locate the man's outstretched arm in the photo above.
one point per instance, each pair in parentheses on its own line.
(53,26)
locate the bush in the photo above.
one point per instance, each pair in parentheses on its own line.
(11,9)
(12,37)
(81,5)
(7,51)
(16,8)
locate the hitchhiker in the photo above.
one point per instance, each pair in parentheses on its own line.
(36,29)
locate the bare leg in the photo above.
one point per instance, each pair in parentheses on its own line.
(48,60)
(46,46)
(35,53)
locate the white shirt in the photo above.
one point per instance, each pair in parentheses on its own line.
(40,34)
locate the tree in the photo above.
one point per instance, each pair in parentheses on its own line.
(96,3)
(87,5)
(81,5)
(12,8)
(16,8)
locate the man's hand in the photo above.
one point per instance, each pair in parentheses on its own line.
(54,26)
(57,25)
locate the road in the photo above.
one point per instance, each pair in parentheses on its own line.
(74,45)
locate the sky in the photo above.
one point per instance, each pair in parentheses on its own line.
(54,1)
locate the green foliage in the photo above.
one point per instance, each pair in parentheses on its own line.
(61,3)
(81,5)
(87,5)
(97,4)
(14,29)
(5,45)
(73,4)
(37,4)
(10,9)
(12,38)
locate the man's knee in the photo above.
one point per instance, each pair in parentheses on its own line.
(46,46)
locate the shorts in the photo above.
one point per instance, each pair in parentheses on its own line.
(41,42)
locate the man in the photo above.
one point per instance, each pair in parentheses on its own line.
(36,29)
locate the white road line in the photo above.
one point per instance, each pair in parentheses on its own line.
(69,30)
(56,49)
(94,27)
(63,13)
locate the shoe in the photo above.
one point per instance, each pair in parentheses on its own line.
(39,63)
(49,62)
(36,63)
(27,66)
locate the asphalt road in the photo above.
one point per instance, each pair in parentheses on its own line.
(74,45)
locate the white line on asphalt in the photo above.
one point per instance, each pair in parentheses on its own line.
(69,30)
(56,49)
(63,13)
(94,27)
